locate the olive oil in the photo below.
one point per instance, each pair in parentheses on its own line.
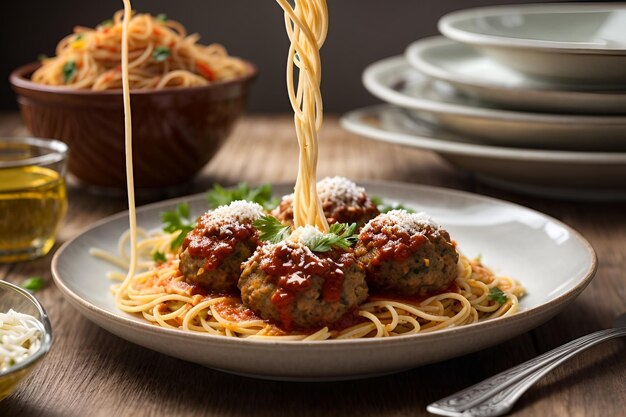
(33,201)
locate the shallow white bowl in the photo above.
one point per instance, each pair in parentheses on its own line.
(553,262)
(397,82)
(577,42)
(480,76)
(547,173)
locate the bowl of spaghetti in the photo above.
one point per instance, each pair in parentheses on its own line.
(25,335)
(186,98)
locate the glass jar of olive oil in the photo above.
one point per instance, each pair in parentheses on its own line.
(33,198)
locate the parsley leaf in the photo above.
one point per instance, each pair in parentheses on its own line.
(42,57)
(496,294)
(106,23)
(178,220)
(33,284)
(340,236)
(69,71)
(220,196)
(384,207)
(161,17)
(271,230)
(161,53)
(159,257)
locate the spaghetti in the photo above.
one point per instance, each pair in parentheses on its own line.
(160,293)
(161,55)
(307,25)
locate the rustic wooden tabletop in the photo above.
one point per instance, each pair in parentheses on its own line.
(90,372)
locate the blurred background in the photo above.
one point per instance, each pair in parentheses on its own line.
(361,31)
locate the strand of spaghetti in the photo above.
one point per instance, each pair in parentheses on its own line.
(394,319)
(406,307)
(458,318)
(380,329)
(109,257)
(128,146)
(159,300)
(357,331)
(321,334)
(178,312)
(412,321)
(160,321)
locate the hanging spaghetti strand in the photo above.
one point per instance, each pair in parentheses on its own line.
(307,25)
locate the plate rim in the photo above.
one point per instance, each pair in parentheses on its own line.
(398,65)
(414,55)
(450,147)
(446,25)
(521,316)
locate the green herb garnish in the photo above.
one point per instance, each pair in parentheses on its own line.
(33,284)
(340,236)
(177,220)
(497,295)
(161,17)
(159,257)
(220,196)
(69,71)
(161,53)
(384,207)
(42,57)
(106,23)
(271,230)
(79,37)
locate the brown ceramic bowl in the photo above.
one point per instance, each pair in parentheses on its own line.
(176,131)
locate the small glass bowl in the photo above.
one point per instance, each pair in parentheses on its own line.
(33,197)
(20,300)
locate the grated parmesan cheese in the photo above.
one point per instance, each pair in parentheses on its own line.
(240,211)
(339,190)
(20,337)
(305,234)
(403,221)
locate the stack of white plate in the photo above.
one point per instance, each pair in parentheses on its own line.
(529,97)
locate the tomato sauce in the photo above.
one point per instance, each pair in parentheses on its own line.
(216,242)
(294,268)
(392,245)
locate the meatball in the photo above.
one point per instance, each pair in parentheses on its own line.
(342,201)
(295,287)
(212,253)
(406,254)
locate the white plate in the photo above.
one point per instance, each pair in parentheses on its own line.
(553,262)
(555,174)
(578,42)
(480,76)
(397,82)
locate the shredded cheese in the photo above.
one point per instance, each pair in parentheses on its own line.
(20,337)
(403,221)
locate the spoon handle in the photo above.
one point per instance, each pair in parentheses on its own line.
(496,395)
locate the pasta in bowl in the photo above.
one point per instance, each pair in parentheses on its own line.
(186,99)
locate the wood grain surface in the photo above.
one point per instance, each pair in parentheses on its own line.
(90,372)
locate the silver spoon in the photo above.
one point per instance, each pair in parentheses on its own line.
(496,396)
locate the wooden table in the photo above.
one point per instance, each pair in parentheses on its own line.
(90,372)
